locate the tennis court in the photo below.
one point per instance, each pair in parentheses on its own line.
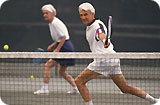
(16,87)
(23,29)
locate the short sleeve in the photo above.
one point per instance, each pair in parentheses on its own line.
(61,29)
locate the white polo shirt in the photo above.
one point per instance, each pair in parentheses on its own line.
(95,44)
(103,66)
(58,30)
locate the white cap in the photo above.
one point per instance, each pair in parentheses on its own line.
(49,8)
(86,7)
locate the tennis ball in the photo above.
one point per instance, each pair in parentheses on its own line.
(32,77)
(6,47)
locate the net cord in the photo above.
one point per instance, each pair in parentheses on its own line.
(84,55)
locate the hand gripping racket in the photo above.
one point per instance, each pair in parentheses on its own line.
(109,33)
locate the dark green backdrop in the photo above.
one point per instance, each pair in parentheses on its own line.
(136,24)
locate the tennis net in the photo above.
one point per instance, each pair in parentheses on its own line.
(21,73)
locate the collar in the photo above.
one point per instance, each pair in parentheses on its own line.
(93,21)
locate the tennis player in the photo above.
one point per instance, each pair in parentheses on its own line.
(61,40)
(95,34)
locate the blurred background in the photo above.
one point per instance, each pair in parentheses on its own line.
(136,24)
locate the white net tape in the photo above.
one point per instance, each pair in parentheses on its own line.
(85,55)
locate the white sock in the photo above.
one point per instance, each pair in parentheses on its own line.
(75,88)
(151,99)
(45,86)
(89,103)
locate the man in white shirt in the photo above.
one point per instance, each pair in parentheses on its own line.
(60,36)
(95,34)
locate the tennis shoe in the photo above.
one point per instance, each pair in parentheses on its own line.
(158,102)
(73,92)
(42,91)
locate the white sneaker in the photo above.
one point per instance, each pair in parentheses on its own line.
(73,92)
(42,91)
(158,102)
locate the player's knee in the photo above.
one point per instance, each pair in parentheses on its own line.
(78,82)
(48,65)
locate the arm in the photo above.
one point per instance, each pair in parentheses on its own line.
(60,44)
(50,46)
(102,37)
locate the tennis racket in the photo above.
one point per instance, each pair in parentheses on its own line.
(109,33)
(39,60)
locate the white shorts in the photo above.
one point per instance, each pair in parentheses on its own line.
(105,66)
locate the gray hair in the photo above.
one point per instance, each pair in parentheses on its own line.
(87,6)
(50,8)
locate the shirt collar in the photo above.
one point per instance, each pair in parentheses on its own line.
(92,22)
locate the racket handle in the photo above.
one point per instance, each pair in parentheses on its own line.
(106,41)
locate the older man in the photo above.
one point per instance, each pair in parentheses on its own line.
(96,34)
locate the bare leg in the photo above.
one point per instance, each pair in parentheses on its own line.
(81,80)
(66,76)
(47,75)
(47,72)
(120,81)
